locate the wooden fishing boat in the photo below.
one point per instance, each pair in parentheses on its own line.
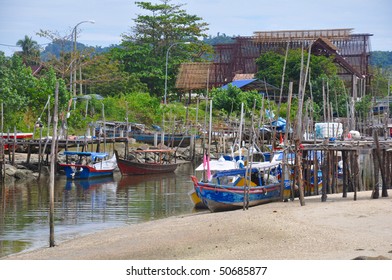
(18,135)
(89,165)
(238,188)
(170,140)
(214,166)
(160,161)
(10,137)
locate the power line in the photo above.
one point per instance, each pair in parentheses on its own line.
(14,46)
(9,45)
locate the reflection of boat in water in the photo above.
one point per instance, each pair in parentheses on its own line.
(91,183)
(127,181)
(90,195)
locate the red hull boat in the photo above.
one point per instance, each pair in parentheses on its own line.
(159,165)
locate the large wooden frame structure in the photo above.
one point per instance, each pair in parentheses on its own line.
(350,51)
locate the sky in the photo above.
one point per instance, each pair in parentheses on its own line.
(232,17)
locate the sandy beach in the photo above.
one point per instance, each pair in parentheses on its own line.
(339,229)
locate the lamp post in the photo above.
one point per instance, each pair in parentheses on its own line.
(167,58)
(74,32)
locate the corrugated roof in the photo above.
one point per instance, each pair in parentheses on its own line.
(239,83)
(253,84)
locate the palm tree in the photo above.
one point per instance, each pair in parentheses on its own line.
(30,49)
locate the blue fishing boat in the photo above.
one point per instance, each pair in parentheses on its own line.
(238,188)
(171,140)
(88,165)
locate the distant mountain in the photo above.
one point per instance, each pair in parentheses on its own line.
(382,59)
(219,39)
(56,48)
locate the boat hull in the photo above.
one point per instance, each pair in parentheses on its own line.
(137,168)
(128,167)
(170,140)
(84,170)
(17,136)
(79,171)
(223,198)
(196,200)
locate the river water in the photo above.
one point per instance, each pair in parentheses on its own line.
(83,207)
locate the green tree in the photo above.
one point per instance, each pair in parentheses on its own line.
(219,39)
(381,59)
(322,71)
(30,50)
(270,67)
(136,60)
(144,50)
(166,23)
(229,100)
(16,85)
(364,106)
(381,78)
(105,76)
(44,87)
(23,95)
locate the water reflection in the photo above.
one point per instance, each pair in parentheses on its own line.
(83,207)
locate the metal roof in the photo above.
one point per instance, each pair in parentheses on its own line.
(252,84)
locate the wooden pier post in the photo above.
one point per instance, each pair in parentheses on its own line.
(52,169)
(13,147)
(324,172)
(345,172)
(381,166)
(355,171)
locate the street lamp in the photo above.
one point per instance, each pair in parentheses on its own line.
(74,32)
(167,58)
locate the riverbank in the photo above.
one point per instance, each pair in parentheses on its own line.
(339,229)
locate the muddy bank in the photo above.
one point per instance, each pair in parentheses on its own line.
(340,228)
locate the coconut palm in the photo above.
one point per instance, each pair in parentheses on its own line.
(30,49)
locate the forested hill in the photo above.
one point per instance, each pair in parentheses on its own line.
(67,46)
(382,59)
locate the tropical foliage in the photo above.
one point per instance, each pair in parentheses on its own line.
(30,50)
(165,27)
(381,59)
(229,100)
(323,78)
(128,80)
(23,96)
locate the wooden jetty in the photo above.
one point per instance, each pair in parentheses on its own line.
(366,165)
(43,146)
(346,165)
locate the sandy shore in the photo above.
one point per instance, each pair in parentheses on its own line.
(339,229)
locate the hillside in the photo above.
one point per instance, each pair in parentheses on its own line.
(382,59)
